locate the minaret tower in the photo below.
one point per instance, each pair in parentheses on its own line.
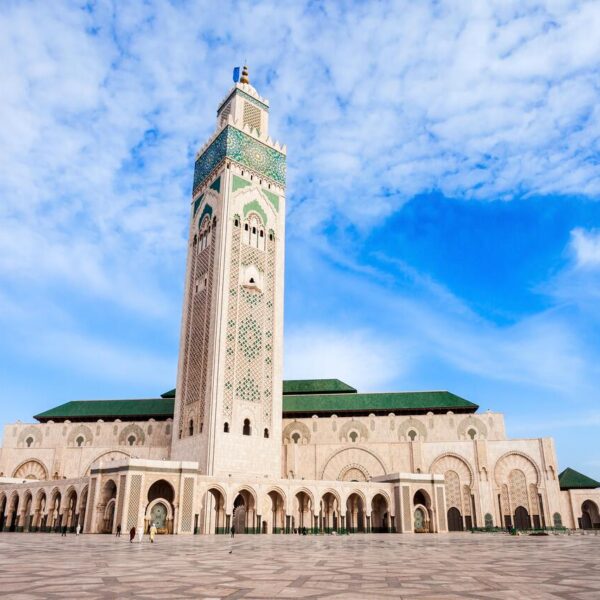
(229,388)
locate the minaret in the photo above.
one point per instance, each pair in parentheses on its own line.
(229,388)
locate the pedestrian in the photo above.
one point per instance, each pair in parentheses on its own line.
(131,534)
(119,530)
(140,534)
(78,529)
(64,531)
(152,533)
(232,530)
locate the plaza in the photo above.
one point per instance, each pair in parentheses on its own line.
(455,565)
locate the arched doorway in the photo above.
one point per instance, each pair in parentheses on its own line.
(277,512)
(455,520)
(380,515)
(590,516)
(355,514)
(82,508)
(329,513)
(422,512)
(522,520)
(54,516)
(106,508)
(214,511)
(13,513)
(71,514)
(27,512)
(244,513)
(159,510)
(303,505)
(38,522)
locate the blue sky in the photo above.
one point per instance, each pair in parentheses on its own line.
(443,226)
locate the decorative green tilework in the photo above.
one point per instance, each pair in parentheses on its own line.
(243,149)
(272,198)
(216,185)
(207,210)
(239,183)
(256,207)
(197,203)
(250,338)
(256,155)
(248,390)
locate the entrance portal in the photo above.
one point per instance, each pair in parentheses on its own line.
(522,520)
(455,522)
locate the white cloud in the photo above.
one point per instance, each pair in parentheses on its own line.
(586,246)
(360,358)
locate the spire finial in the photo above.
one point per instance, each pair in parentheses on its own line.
(244,77)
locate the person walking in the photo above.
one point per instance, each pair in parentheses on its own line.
(78,529)
(64,531)
(233,531)
(152,533)
(118,530)
(131,535)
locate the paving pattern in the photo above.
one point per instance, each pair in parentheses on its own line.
(34,566)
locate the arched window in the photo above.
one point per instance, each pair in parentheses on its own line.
(29,441)
(236,222)
(353,436)
(226,428)
(296,437)
(266,432)
(247,430)
(472,433)
(80,440)
(131,440)
(191,427)
(412,434)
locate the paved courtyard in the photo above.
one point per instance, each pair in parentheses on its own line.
(34,566)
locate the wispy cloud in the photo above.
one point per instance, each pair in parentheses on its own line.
(586,246)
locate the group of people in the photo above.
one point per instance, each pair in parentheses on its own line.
(140,533)
(64,529)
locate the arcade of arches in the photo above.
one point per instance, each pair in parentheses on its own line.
(177,501)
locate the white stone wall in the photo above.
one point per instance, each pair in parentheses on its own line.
(471,450)
(54,451)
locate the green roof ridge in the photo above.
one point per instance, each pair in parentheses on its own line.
(316,386)
(376,401)
(572,479)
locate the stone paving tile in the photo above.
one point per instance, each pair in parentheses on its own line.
(494,567)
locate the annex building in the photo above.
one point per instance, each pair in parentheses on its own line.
(234,445)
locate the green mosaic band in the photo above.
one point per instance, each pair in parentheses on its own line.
(245,150)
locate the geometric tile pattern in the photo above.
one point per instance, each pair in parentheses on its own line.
(460,565)
(243,149)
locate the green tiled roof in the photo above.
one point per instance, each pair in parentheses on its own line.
(316,386)
(321,397)
(570,479)
(357,404)
(91,410)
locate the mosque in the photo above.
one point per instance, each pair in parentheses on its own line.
(235,446)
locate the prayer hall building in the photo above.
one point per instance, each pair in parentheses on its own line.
(234,445)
